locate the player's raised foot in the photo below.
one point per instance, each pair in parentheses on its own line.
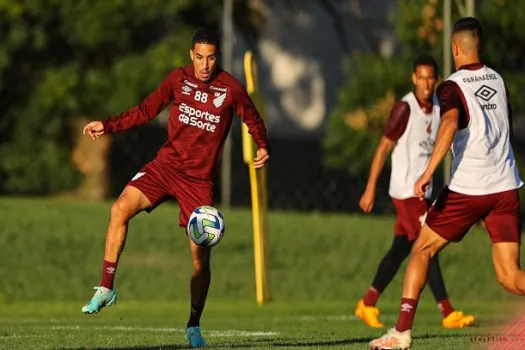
(392,340)
(456,319)
(368,314)
(194,337)
(103,297)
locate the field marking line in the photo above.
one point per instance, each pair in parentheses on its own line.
(211,333)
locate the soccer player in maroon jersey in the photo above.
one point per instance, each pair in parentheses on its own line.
(484,181)
(204,99)
(410,133)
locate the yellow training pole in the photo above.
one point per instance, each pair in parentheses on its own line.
(258,192)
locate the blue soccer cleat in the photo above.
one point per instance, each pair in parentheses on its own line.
(194,337)
(103,297)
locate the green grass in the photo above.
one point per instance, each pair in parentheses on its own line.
(321,264)
(154,325)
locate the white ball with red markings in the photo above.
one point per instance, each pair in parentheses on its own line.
(205,226)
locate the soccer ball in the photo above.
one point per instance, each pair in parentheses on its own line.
(206,226)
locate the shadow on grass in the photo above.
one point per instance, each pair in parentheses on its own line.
(282,343)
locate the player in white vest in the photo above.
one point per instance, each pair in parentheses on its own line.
(410,132)
(476,123)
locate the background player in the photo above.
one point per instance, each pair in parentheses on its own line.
(476,122)
(410,132)
(204,97)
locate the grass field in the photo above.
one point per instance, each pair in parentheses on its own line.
(321,265)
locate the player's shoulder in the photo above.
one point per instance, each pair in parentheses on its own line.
(227,79)
(401,108)
(456,76)
(177,74)
(496,73)
(448,85)
(404,102)
(181,72)
(407,98)
(492,70)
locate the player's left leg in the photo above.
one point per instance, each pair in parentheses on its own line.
(199,285)
(428,244)
(192,194)
(451,318)
(366,308)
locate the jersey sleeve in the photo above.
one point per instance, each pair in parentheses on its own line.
(147,109)
(245,109)
(450,97)
(397,121)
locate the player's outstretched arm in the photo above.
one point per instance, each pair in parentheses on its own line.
(146,110)
(444,138)
(394,129)
(366,202)
(245,109)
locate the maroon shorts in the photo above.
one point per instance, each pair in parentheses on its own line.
(453,214)
(159,182)
(410,214)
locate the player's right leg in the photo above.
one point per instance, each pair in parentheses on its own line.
(130,202)
(144,191)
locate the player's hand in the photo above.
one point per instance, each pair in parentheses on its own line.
(421,186)
(94,129)
(261,158)
(366,203)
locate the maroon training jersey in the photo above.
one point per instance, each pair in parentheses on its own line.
(199,120)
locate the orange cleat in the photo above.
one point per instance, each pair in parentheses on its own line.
(368,314)
(457,319)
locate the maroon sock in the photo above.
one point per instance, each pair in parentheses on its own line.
(445,307)
(108,274)
(406,315)
(371,297)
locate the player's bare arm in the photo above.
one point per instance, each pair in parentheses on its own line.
(444,138)
(366,203)
(395,127)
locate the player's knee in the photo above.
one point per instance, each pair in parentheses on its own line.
(201,265)
(506,280)
(425,247)
(121,211)
(422,248)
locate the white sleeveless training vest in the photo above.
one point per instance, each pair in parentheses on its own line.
(413,149)
(483,161)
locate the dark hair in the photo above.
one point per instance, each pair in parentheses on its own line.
(206,36)
(426,60)
(470,24)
